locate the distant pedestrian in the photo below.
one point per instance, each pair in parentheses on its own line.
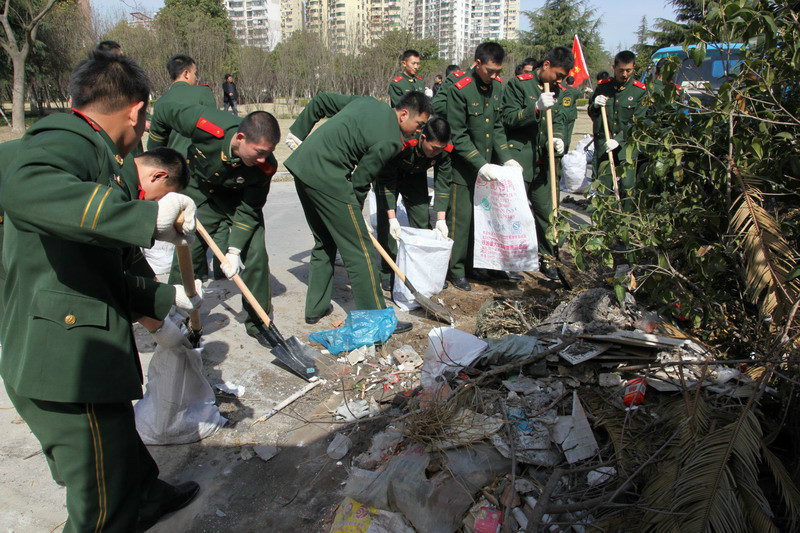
(230,96)
(437,83)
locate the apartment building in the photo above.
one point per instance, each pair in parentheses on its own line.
(256,22)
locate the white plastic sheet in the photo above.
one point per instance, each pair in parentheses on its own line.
(505,233)
(423,255)
(449,350)
(574,177)
(178,406)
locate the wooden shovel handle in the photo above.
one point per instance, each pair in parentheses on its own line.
(604,114)
(187,274)
(551,152)
(387,258)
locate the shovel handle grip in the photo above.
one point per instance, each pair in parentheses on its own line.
(237,279)
(387,258)
(187,274)
(551,152)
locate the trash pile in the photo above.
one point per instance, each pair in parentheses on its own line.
(553,430)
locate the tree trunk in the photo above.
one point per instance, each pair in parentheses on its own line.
(18,92)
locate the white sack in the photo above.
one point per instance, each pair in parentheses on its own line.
(423,255)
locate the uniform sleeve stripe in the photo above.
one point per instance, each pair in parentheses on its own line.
(100,208)
(242,227)
(86,209)
(156,137)
(472,154)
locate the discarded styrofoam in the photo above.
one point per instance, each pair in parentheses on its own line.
(574,433)
(449,350)
(407,356)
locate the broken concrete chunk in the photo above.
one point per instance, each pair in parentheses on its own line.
(574,433)
(266,451)
(609,380)
(407,356)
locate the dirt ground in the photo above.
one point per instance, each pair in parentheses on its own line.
(298,489)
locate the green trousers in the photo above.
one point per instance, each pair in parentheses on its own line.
(626,177)
(459,223)
(95,451)
(416,200)
(254,256)
(338,225)
(542,206)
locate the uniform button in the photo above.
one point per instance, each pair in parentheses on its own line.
(216,173)
(487,135)
(70,320)
(210,191)
(487,120)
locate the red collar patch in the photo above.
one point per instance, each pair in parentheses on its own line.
(141,193)
(639,84)
(603,82)
(410,143)
(398,78)
(420,79)
(449,148)
(525,77)
(268,169)
(91,122)
(498,79)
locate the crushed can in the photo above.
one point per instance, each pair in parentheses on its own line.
(634,392)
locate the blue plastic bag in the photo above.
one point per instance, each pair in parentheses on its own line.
(361,328)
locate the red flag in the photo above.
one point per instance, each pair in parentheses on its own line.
(579,71)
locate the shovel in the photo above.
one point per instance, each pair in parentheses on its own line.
(554,184)
(439,312)
(187,276)
(610,155)
(299,358)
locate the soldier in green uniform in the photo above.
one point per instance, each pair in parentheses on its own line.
(231,167)
(624,99)
(184,90)
(524,115)
(452,73)
(408,81)
(69,363)
(363,134)
(473,111)
(407,175)
(569,110)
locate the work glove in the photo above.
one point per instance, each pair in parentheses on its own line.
(186,304)
(545,101)
(558,146)
(489,172)
(394,228)
(610,145)
(428,92)
(233,264)
(169,207)
(600,101)
(169,335)
(512,163)
(293,141)
(441,227)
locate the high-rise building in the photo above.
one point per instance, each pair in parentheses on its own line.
(293,17)
(458,26)
(256,22)
(350,24)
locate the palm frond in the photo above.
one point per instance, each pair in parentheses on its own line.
(768,257)
(787,487)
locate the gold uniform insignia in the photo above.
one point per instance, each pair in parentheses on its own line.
(118,159)
(240,179)
(567,101)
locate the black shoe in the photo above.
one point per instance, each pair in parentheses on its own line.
(386,284)
(261,338)
(315,319)
(461,284)
(479,274)
(549,271)
(444,286)
(184,494)
(402,327)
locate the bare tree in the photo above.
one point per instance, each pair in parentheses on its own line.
(17,43)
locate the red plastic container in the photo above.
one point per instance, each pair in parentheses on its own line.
(634,392)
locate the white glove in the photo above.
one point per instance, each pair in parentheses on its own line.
(233,264)
(293,141)
(394,228)
(558,146)
(610,145)
(600,101)
(428,92)
(186,304)
(545,100)
(512,163)
(488,172)
(441,227)
(169,335)
(169,207)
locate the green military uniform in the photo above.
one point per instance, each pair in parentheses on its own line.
(625,101)
(526,130)
(229,197)
(161,131)
(404,84)
(568,113)
(407,175)
(69,362)
(440,98)
(7,152)
(362,132)
(473,111)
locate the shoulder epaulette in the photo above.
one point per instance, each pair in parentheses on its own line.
(410,143)
(498,79)
(268,169)
(603,82)
(562,87)
(639,84)
(204,85)
(525,77)
(449,148)
(91,122)
(420,79)
(210,127)
(398,78)
(459,73)
(463,82)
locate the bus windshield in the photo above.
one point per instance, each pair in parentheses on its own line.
(718,64)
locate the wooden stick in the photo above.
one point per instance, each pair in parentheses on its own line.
(272,412)
(237,279)
(187,276)
(609,152)
(551,151)
(387,258)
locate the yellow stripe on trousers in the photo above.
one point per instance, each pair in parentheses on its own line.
(97,442)
(366,255)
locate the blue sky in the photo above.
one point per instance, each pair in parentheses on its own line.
(620,19)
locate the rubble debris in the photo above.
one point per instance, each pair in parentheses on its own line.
(360,354)
(607,379)
(574,433)
(600,475)
(407,357)
(339,446)
(449,350)
(230,387)
(266,451)
(352,410)
(354,517)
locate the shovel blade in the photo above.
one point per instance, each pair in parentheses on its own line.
(438,311)
(326,368)
(299,363)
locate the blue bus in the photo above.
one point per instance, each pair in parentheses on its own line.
(722,61)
